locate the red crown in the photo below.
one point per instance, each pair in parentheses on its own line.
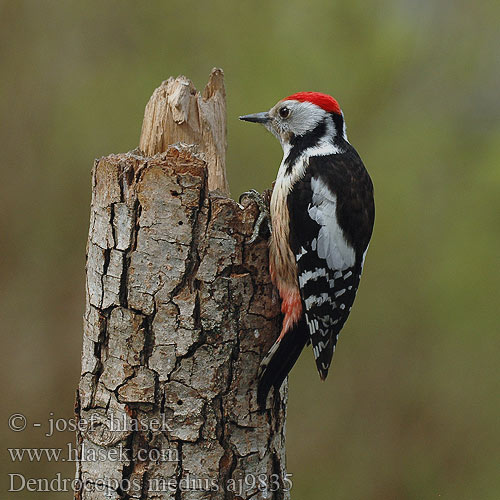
(324,101)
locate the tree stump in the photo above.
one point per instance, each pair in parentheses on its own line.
(179,313)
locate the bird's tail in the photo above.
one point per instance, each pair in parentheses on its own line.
(280,359)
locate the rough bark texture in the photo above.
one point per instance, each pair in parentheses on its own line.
(179,314)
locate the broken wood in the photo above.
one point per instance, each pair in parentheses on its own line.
(179,313)
(177,112)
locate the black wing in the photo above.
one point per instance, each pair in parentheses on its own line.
(331,221)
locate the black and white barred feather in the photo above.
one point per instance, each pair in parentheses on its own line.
(331,220)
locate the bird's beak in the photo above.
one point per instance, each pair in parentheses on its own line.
(257,117)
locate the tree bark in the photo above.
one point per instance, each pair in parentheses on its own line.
(179,313)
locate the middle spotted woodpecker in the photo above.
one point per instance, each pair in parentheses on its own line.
(322,214)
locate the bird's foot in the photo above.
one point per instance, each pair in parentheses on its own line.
(262,202)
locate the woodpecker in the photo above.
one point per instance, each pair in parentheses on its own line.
(322,213)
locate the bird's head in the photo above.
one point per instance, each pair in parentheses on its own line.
(303,115)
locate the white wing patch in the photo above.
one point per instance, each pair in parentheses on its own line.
(317,300)
(302,252)
(307,276)
(331,244)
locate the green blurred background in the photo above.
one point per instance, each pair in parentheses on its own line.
(411,407)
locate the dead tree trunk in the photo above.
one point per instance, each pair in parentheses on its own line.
(179,314)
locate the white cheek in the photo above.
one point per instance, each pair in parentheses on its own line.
(305,118)
(304,126)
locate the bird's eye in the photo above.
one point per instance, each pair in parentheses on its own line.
(284,112)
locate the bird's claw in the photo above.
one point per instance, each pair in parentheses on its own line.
(264,214)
